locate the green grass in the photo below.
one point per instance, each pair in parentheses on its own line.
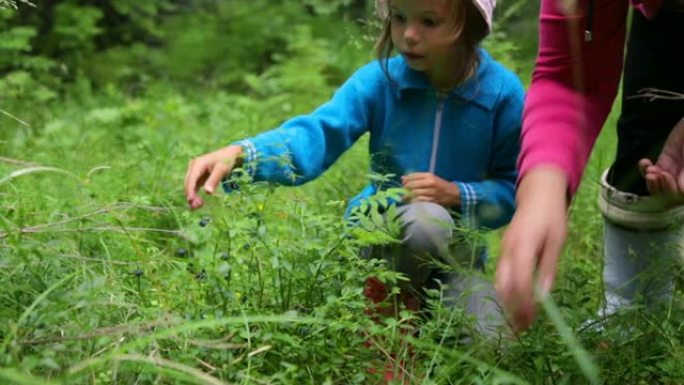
(107,278)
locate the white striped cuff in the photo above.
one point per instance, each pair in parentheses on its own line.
(251,156)
(468,204)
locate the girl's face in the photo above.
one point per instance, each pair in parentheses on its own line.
(423,32)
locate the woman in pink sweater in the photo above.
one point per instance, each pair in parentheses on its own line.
(574,84)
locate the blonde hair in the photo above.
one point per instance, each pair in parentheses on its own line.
(469,29)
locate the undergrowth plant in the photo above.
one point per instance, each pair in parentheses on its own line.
(107,278)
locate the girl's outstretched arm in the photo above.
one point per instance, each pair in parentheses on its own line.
(301,148)
(304,147)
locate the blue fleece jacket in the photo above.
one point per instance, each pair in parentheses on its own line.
(469,136)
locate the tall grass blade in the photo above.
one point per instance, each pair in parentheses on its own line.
(584,359)
(9,376)
(31,170)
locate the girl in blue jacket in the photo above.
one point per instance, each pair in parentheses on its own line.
(443,117)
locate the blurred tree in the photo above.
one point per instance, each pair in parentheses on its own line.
(12,3)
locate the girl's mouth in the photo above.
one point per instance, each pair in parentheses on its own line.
(412,56)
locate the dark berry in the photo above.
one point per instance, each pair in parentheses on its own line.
(230,185)
(204,222)
(246,246)
(191,268)
(138,272)
(181,252)
(225,256)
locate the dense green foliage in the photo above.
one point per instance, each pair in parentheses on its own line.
(107,278)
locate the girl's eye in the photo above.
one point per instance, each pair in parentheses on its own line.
(398,17)
(430,22)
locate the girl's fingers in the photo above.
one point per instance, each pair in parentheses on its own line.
(423,198)
(199,171)
(220,170)
(195,202)
(421,192)
(417,184)
(195,172)
(201,181)
(407,197)
(416,175)
(417,179)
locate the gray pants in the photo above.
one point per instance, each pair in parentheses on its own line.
(430,251)
(639,267)
(642,248)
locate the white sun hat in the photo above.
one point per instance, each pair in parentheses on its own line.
(486,8)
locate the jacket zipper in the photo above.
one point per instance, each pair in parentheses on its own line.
(441,97)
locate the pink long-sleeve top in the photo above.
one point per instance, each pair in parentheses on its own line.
(574,82)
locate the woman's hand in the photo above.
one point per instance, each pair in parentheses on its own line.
(427,187)
(532,243)
(665,178)
(209,170)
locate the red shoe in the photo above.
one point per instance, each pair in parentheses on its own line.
(378,293)
(393,371)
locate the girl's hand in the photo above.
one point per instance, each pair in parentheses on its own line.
(665,178)
(532,243)
(209,170)
(427,187)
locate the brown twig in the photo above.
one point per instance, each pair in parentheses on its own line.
(99,229)
(220,344)
(17,161)
(99,260)
(48,226)
(14,117)
(207,365)
(105,331)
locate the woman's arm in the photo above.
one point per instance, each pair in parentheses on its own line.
(573,86)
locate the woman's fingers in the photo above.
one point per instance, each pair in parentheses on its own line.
(548,263)
(514,280)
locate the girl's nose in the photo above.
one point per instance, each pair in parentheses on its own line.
(411,35)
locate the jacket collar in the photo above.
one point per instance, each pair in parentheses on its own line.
(481,89)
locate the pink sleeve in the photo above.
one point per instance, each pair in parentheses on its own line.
(573,85)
